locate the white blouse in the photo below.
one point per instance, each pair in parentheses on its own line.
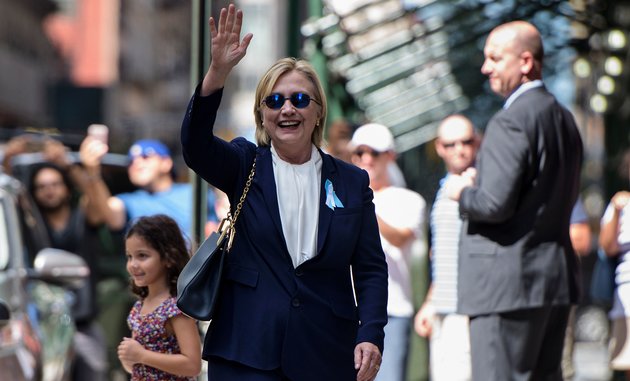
(297,188)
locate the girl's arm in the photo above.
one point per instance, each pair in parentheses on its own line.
(187,363)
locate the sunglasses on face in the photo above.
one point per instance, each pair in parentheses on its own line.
(275,101)
(372,153)
(467,142)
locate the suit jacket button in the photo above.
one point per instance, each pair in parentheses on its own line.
(299,272)
(295,302)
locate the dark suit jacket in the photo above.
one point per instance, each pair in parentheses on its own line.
(515,250)
(271,314)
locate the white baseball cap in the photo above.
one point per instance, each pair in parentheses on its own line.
(375,136)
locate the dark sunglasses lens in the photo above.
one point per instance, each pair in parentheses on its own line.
(274,101)
(374,154)
(300,100)
(467,142)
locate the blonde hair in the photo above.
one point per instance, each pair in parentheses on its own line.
(268,81)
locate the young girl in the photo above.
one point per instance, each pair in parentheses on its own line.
(165,344)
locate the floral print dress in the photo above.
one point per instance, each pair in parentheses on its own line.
(150,331)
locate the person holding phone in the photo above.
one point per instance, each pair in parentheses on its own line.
(151,170)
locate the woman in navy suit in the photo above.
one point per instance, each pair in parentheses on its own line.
(304,292)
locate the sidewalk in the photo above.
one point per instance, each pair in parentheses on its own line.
(590,354)
(591,362)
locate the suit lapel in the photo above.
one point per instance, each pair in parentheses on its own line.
(329,172)
(268,186)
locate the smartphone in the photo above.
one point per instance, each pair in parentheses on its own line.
(99,132)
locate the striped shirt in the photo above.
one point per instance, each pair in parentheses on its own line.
(445,225)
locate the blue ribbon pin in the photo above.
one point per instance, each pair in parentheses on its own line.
(332,201)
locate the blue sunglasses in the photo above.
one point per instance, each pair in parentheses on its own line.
(275,101)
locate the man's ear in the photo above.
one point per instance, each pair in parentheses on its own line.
(166,165)
(527,62)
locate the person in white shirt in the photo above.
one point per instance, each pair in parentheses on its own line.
(614,239)
(457,145)
(401,220)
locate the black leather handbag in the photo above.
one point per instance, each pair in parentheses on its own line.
(199,282)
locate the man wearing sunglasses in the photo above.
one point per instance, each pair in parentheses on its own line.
(401,220)
(151,170)
(518,272)
(457,144)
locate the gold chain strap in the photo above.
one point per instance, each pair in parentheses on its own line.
(227,224)
(247,184)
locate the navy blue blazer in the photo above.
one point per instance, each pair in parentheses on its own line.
(270,314)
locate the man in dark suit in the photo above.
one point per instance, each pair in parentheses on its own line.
(518,273)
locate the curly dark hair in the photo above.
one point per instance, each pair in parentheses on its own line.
(163,234)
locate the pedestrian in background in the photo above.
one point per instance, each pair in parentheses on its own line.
(165,343)
(306,239)
(614,239)
(581,237)
(401,216)
(56,187)
(151,171)
(457,144)
(339,135)
(518,273)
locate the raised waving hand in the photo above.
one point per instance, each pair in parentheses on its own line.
(227,48)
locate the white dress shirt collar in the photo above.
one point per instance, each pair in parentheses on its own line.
(521,89)
(297,189)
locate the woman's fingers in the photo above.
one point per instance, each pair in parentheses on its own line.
(213,28)
(231,16)
(222,20)
(238,23)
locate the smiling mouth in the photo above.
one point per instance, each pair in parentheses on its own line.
(288,124)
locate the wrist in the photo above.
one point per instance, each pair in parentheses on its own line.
(213,81)
(92,174)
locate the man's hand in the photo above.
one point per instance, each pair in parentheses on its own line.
(91,152)
(620,199)
(423,322)
(55,152)
(455,184)
(367,359)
